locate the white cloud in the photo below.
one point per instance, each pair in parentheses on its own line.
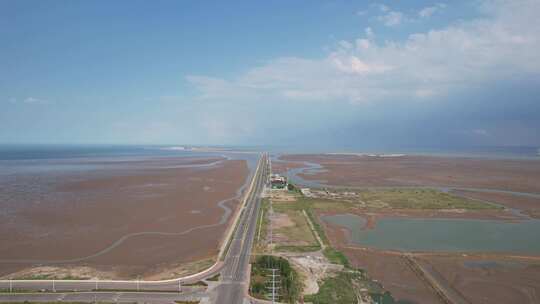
(33,100)
(369,33)
(430,10)
(345,44)
(500,45)
(392,18)
(480,132)
(361,13)
(29,101)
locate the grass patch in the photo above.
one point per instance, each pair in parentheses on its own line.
(336,256)
(198,283)
(336,290)
(292,248)
(290,287)
(347,287)
(420,199)
(262,223)
(299,233)
(214,278)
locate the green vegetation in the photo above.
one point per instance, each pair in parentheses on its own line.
(419,199)
(300,233)
(337,290)
(290,288)
(214,278)
(336,256)
(347,287)
(295,248)
(262,223)
(198,283)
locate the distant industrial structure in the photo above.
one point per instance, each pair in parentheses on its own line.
(277,181)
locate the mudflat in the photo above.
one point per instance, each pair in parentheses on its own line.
(136,219)
(494,280)
(376,171)
(528,205)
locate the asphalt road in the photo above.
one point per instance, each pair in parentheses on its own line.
(111,297)
(231,288)
(234,285)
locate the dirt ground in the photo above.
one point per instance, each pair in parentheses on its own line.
(373,171)
(313,268)
(102,213)
(290,228)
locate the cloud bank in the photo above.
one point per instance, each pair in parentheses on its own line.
(504,43)
(425,68)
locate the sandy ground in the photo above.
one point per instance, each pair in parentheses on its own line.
(369,171)
(314,268)
(88,214)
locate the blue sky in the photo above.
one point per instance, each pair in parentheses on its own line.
(383,74)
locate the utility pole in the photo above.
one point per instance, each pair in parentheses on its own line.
(271,228)
(53,287)
(97,287)
(274,286)
(10,285)
(179,286)
(138,283)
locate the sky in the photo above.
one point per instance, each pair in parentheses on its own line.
(357,74)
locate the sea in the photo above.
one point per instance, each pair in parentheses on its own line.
(43,152)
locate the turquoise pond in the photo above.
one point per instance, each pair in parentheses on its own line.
(461,235)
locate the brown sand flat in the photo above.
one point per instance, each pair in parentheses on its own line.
(529,205)
(368,171)
(489,281)
(95,211)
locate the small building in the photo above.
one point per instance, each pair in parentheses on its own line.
(277,181)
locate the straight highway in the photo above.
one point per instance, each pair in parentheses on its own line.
(234,284)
